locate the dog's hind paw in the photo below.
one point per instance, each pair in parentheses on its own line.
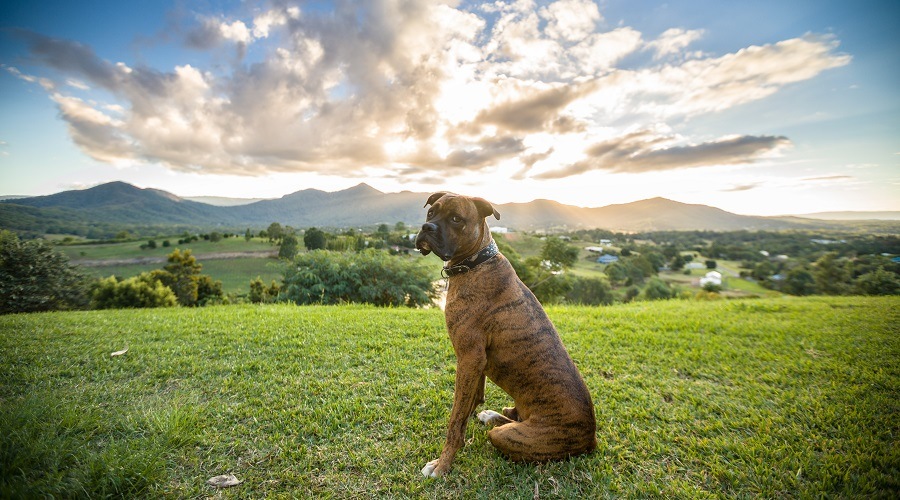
(489,417)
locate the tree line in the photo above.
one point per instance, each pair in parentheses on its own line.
(353,266)
(34,277)
(792,262)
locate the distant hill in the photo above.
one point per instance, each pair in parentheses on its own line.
(852,216)
(119,203)
(223,201)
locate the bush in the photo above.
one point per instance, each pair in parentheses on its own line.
(138,292)
(657,289)
(878,282)
(261,294)
(590,291)
(370,276)
(33,277)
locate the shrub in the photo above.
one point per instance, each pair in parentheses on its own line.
(137,292)
(589,291)
(657,289)
(261,294)
(878,282)
(370,276)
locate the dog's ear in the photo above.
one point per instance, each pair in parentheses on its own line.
(433,198)
(485,208)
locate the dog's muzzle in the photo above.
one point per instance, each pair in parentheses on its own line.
(425,241)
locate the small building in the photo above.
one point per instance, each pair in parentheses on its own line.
(607,259)
(711,278)
(500,230)
(594,249)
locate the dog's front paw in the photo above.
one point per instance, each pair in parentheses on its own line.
(431,469)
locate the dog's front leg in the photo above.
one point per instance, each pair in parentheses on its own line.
(469,375)
(479,396)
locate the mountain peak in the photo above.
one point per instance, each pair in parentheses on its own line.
(362,189)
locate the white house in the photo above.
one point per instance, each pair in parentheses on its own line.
(712,277)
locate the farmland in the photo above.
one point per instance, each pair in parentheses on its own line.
(236,261)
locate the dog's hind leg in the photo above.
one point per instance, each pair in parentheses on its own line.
(511,413)
(493,419)
(526,442)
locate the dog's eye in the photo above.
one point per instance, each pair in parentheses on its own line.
(456,219)
(430,213)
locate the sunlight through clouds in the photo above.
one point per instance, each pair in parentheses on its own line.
(425,91)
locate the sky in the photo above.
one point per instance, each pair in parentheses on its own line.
(760,108)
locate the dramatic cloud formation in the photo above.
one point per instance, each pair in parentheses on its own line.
(646,151)
(421,89)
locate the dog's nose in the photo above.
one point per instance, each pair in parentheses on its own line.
(429,227)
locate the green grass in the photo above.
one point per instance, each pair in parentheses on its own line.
(748,398)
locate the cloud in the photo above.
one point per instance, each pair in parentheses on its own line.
(673,41)
(537,110)
(420,88)
(742,187)
(645,151)
(570,20)
(831,178)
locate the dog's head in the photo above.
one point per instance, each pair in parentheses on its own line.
(455,226)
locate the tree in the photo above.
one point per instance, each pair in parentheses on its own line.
(314,239)
(33,277)
(832,276)
(370,276)
(711,264)
(548,282)
(878,282)
(560,254)
(799,281)
(181,275)
(290,245)
(275,232)
(215,236)
(248,235)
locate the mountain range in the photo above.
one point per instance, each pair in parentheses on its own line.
(119,203)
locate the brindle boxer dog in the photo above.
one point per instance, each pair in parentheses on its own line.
(499,330)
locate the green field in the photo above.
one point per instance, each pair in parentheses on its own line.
(132,249)
(235,274)
(743,398)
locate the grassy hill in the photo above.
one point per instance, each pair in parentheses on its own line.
(756,398)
